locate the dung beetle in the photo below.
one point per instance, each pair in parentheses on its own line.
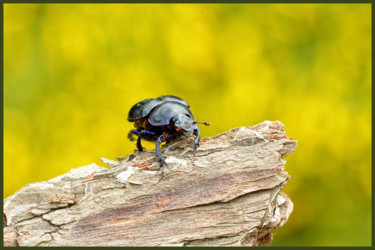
(162,119)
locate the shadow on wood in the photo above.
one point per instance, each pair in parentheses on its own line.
(227,194)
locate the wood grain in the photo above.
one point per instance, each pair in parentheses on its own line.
(227,193)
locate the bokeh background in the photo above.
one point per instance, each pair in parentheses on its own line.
(72,72)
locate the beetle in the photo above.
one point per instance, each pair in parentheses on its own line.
(162,119)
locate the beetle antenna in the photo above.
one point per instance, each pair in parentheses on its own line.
(205,123)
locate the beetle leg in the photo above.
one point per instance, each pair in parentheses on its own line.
(139,134)
(139,145)
(196,141)
(131,133)
(143,134)
(158,153)
(165,135)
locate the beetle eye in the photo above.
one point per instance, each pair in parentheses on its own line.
(179,129)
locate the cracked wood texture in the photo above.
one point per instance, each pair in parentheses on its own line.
(226,194)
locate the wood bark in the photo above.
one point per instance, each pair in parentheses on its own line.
(227,193)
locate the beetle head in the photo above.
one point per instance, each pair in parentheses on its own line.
(183,123)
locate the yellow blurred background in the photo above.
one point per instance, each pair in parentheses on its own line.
(72,72)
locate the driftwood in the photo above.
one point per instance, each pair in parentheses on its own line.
(227,194)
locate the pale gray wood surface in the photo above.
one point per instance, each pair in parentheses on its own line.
(227,194)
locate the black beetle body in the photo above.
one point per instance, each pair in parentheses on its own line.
(162,119)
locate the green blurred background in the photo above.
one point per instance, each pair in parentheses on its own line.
(72,72)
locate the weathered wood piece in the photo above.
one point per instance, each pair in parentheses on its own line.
(227,194)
